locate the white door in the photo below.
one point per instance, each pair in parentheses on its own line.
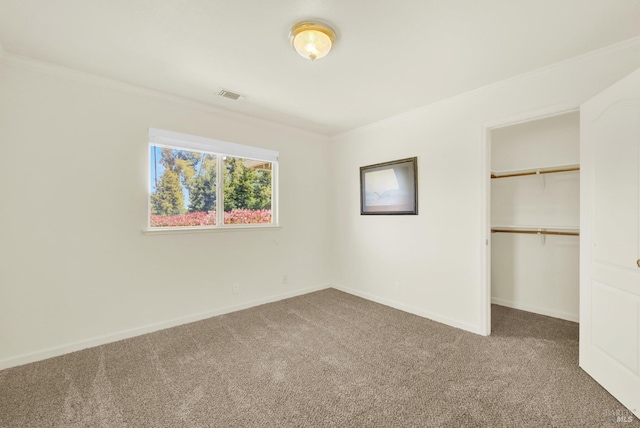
(610,240)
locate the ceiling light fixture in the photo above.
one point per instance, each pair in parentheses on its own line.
(312,40)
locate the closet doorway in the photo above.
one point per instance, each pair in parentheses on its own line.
(534,215)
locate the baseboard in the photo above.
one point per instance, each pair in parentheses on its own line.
(412,310)
(150,328)
(536,310)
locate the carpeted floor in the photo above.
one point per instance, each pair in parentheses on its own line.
(322,359)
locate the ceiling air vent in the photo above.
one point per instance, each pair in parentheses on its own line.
(231,95)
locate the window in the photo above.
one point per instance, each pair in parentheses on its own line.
(197,182)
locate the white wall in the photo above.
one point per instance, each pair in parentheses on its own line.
(438,257)
(551,141)
(526,272)
(76,269)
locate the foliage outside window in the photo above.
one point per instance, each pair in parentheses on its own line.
(187,190)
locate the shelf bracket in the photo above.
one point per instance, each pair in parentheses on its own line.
(543,237)
(541,178)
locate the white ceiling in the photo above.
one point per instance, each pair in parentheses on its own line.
(391,56)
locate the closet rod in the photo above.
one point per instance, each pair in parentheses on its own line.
(541,171)
(536,232)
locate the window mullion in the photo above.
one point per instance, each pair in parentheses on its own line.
(220,190)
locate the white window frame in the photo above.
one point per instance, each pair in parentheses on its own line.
(176,140)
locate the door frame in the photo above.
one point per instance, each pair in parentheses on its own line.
(485,212)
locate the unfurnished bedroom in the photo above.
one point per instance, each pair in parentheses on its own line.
(319,214)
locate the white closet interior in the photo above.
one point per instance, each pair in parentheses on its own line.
(535,216)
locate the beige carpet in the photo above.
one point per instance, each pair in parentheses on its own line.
(323,359)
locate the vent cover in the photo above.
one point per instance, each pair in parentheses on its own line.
(231,95)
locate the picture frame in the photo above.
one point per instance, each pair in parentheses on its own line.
(389,188)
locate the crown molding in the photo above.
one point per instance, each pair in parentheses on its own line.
(43,67)
(632,43)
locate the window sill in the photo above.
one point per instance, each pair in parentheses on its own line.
(200,229)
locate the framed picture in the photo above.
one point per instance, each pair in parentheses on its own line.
(389,188)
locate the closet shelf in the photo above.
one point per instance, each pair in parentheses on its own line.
(551,170)
(566,231)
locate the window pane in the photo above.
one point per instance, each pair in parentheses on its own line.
(247,191)
(183,187)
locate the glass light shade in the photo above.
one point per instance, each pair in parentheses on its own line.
(312,40)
